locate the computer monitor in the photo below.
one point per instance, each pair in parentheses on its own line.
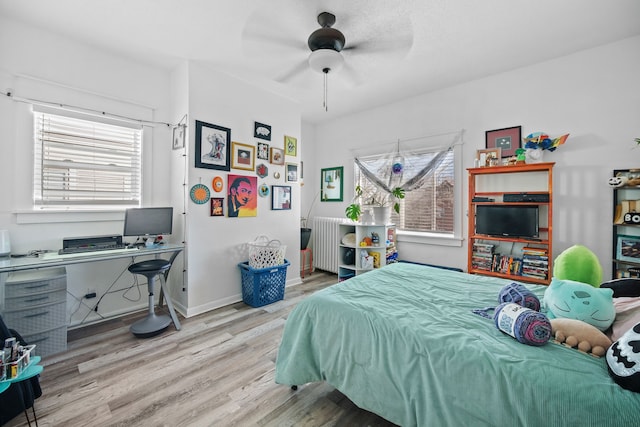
(148,221)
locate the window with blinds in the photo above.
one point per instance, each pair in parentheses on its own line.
(85,162)
(429,208)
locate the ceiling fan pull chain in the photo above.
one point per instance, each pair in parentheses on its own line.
(326,80)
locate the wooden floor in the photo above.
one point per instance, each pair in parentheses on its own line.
(217,371)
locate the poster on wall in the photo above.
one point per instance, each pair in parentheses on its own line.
(242,196)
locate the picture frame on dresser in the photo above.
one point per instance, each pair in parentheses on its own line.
(488,157)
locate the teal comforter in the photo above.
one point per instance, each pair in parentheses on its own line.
(401,341)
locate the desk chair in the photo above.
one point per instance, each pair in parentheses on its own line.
(153,324)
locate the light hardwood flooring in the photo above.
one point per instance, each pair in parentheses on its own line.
(217,371)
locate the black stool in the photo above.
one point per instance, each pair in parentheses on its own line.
(153,324)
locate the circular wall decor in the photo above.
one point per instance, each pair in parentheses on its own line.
(263,190)
(276,175)
(217,184)
(200,194)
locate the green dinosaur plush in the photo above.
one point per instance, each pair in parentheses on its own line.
(579,264)
(574,300)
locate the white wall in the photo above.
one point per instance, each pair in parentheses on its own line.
(40,65)
(594,95)
(44,66)
(217,244)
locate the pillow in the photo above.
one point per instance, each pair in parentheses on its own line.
(625,287)
(627,315)
(623,360)
(574,300)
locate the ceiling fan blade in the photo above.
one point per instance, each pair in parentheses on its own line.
(255,39)
(399,45)
(293,72)
(350,76)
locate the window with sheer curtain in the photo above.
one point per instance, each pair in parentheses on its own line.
(428,205)
(84,162)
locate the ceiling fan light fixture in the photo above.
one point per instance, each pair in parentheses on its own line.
(325,60)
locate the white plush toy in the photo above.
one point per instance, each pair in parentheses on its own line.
(618,181)
(366,260)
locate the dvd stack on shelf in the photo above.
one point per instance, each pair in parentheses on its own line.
(506,264)
(482,256)
(535,263)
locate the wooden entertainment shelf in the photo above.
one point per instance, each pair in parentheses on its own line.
(516,258)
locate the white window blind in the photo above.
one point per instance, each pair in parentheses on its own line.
(430,206)
(85,162)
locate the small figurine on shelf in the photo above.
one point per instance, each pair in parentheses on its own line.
(375,239)
(366,260)
(366,241)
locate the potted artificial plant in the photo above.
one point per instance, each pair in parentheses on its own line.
(381,202)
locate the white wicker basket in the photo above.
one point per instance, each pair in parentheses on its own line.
(264,253)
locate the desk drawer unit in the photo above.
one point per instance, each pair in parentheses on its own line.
(35,305)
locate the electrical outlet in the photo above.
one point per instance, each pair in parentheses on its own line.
(90,294)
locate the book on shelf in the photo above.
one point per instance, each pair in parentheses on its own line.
(535,251)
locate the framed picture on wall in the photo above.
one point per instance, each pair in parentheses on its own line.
(213,145)
(178,137)
(262,131)
(290,146)
(217,206)
(331,184)
(243,156)
(292,172)
(263,151)
(277,156)
(280,197)
(508,140)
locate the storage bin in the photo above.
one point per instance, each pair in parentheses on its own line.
(262,286)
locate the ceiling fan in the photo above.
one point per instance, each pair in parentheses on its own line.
(375,38)
(326,43)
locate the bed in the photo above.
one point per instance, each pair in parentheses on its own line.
(402,342)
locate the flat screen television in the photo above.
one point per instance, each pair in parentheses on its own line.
(148,221)
(507,220)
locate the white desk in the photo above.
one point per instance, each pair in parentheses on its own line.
(53,259)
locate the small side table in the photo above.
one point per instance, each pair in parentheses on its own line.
(30,371)
(304,254)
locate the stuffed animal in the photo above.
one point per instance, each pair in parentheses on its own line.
(623,360)
(621,180)
(579,264)
(366,260)
(574,300)
(618,181)
(576,333)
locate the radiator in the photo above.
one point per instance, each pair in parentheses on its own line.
(326,239)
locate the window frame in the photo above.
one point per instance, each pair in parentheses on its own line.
(136,175)
(442,239)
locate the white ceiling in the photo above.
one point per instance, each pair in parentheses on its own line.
(442,42)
